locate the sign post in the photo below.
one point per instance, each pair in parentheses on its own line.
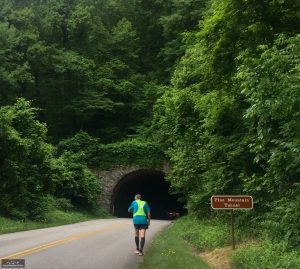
(232,230)
(231,202)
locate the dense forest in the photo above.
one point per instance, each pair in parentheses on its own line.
(77,76)
(92,65)
(213,86)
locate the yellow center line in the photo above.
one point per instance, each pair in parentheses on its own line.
(61,241)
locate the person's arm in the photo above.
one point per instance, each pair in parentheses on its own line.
(148,218)
(130,208)
(147,210)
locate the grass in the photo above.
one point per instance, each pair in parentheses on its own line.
(170,250)
(219,258)
(204,234)
(175,248)
(266,255)
(55,217)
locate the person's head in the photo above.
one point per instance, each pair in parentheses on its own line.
(138,197)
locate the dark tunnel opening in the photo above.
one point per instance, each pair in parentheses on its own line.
(154,189)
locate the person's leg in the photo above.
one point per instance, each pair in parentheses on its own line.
(142,235)
(137,240)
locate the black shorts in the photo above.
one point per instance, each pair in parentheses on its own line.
(140,226)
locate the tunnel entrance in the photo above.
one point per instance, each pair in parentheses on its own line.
(154,189)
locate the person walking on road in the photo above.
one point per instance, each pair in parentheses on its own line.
(141,221)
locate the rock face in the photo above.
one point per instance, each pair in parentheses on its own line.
(110,179)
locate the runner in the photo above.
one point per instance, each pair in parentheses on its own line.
(141,221)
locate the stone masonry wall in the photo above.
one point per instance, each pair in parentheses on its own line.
(109,180)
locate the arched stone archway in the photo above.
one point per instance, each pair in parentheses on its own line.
(120,184)
(109,180)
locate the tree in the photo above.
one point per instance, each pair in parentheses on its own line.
(230,119)
(271,86)
(25,160)
(29,172)
(14,69)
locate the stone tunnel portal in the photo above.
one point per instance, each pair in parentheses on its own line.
(154,189)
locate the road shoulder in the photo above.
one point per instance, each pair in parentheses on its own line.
(168,250)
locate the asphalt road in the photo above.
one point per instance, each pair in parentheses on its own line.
(97,244)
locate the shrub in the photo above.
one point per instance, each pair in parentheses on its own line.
(41,206)
(203,234)
(266,256)
(63,204)
(25,161)
(77,183)
(31,176)
(80,143)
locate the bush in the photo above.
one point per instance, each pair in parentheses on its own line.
(63,204)
(130,151)
(266,256)
(25,161)
(283,222)
(80,143)
(77,183)
(203,234)
(31,176)
(43,206)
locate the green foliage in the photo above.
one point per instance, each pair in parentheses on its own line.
(128,152)
(273,119)
(30,174)
(26,171)
(203,234)
(77,182)
(14,70)
(283,221)
(81,143)
(80,66)
(132,151)
(181,17)
(265,256)
(54,217)
(230,119)
(90,65)
(170,250)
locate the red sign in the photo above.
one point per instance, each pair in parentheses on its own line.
(231,202)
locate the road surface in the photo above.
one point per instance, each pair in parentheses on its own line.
(97,244)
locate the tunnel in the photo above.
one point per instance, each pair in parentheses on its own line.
(155,190)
